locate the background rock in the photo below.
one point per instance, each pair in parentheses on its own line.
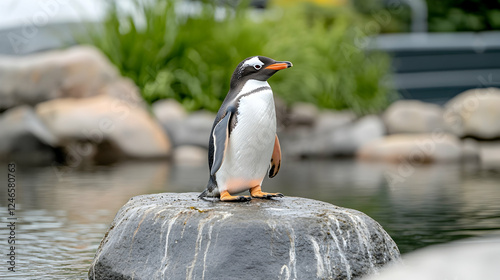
(474,113)
(23,137)
(490,155)
(331,120)
(193,130)
(105,120)
(413,116)
(348,139)
(126,94)
(75,72)
(191,155)
(414,148)
(463,260)
(470,149)
(177,236)
(331,140)
(302,114)
(168,110)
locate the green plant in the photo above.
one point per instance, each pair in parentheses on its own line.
(191,58)
(443,15)
(334,70)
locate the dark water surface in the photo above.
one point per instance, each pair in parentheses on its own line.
(62,214)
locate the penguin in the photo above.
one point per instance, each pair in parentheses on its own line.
(243,144)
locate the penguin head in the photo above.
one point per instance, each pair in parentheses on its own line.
(258,68)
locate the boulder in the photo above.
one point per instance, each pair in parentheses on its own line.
(121,123)
(465,260)
(348,139)
(190,155)
(193,130)
(490,155)
(413,148)
(474,113)
(413,116)
(331,120)
(302,114)
(25,138)
(75,72)
(178,236)
(341,140)
(471,150)
(168,110)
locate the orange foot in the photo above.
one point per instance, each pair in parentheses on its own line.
(225,196)
(258,193)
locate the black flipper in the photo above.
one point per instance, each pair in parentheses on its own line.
(220,137)
(275,165)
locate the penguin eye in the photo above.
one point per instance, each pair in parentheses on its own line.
(257,66)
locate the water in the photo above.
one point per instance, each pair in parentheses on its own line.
(64,213)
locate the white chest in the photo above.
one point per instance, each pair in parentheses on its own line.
(256,118)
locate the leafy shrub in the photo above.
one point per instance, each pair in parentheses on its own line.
(443,15)
(191,58)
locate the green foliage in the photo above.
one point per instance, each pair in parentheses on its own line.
(332,69)
(191,59)
(464,15)
(443,15)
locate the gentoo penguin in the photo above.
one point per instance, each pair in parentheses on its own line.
(243,142)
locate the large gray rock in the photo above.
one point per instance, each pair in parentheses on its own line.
(474,113)
(75,72)
(413,116)
(177,236)
(464,260)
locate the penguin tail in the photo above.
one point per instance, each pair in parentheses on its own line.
(203,194)
(212,189)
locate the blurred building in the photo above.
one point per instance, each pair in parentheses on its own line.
(435,67)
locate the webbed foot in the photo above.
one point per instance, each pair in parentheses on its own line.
(225,196)
(257,192)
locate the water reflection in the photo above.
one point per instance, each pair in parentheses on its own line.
(64,213)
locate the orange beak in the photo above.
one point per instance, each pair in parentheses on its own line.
(280,65)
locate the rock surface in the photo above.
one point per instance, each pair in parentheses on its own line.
(75,72)
(464,260)
(177,236)
(412,116)
(414,148)
(474,113)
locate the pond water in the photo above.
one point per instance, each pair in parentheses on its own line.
(63,213)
